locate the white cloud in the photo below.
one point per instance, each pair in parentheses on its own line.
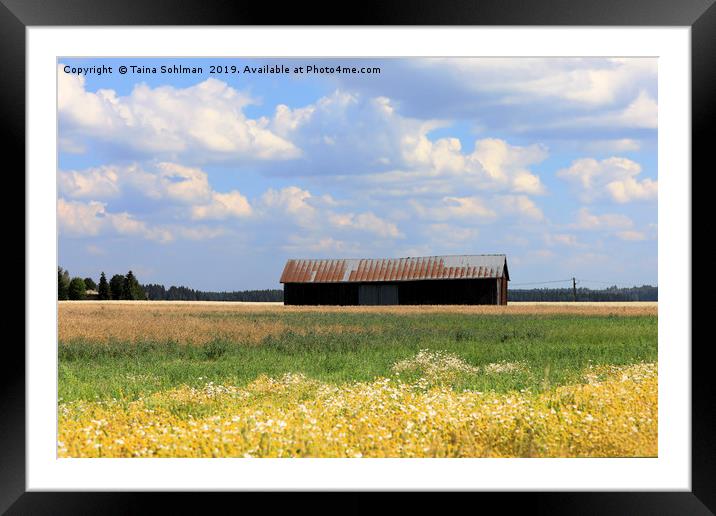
(204,121)
(616,224)
(478,209)
(587,220)
(222,206)
(642,112)
(614,145)
(633,236)
(494,164)
(157,181)
(169,182)
(182,183)
(323,245)
(507,164)
(612,177)
(189,189)
(367,221)
(562,239)
(519,205)
(292,201)
(78,218)
(629,189)
(287,120)
(315,213)
(467,207)
(346,132)
(474,208)
(589,81)
(395,148)
(98,182)
(91,219)
(593,86)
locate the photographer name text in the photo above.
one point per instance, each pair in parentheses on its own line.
(174,69)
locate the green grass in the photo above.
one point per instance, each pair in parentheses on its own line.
(555,348)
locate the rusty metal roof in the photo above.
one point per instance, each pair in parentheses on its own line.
(395,269)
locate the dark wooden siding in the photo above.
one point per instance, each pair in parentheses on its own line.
(427,292)
(382,294)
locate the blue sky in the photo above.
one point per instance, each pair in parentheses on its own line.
(213,180)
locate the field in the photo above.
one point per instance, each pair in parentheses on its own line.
(233,380)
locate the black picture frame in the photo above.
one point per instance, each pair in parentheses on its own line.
(16,15)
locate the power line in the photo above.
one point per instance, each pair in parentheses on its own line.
(543,282)
(568,280)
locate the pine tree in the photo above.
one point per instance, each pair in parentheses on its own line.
(116,285)
(127,290)
(131,288)
(63,283)
(103,287)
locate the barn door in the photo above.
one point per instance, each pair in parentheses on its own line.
(378,295)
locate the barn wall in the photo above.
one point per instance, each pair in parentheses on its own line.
(448,292)
(429,292)
(320,293)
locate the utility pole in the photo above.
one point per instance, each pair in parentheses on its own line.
(574,289)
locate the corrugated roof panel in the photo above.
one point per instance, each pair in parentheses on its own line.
(305,272)
(317,273)
(327,268)
(431,268)
(400,263)
(373,271)
(363,273)
(386,272)
(293,272)
(338,271)
(394,269)
(412,265)
(329,271)
(419,265)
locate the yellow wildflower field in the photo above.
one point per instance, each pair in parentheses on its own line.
(612,414)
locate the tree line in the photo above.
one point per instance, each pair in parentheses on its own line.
(156,292)
(118,287)
(613,293)
(127,286)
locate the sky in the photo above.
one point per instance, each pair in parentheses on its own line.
(212,179)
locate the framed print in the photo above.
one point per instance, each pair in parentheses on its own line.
(277,245)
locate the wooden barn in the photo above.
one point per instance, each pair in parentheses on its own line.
(431,280)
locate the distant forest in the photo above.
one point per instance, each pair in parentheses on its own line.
(160,293)
(643,293)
